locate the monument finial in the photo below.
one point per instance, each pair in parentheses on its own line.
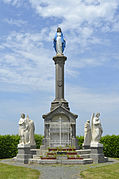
(59,42)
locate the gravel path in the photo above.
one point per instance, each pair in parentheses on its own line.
(59,171)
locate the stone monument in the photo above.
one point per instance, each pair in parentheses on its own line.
(27,141)
(59,123)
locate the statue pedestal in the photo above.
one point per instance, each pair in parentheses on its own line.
(24,154)
(86,146)
(97,154)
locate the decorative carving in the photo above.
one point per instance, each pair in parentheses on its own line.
(59,82)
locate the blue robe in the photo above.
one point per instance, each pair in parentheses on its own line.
(62,40)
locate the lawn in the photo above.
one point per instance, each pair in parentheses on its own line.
(13,172)
(104,172)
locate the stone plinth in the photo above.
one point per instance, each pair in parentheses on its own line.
(24,154)
(97,155)
(86,146)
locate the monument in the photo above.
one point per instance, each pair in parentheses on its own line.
(59,123)
(60,127)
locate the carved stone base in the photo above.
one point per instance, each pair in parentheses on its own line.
(86,146)
(57,103)
(24,154)
(97,155)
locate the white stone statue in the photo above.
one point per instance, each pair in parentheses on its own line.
(96,130)
(26,131)
(31,129)
(87,134)
(22,130)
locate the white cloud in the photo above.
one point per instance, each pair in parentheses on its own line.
(26,62)
(80,19)
(13,2)
(16,22)
(78,12)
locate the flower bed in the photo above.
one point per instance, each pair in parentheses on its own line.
(61,149)
(52,150)
(51,153)
(71,153)
(71,149)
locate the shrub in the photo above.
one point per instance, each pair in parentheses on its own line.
(8,145)
(80,140)
(38,140)
(111,145)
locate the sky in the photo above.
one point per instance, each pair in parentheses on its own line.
(27,71)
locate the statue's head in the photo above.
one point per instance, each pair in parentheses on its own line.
(23,115)
(88,121)
(59,29)
(98,115)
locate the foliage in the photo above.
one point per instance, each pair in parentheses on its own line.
(80,140)
(8,145)
(7,171)
(38,140)
(111,145)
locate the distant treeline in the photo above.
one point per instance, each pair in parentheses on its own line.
(8,145)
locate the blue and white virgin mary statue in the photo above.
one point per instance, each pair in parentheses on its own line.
(59,42)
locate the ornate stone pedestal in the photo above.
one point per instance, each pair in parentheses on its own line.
(24,154)
(97,153)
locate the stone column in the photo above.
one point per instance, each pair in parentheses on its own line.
(59,82)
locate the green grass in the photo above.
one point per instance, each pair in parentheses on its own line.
(104,172)
(14,172)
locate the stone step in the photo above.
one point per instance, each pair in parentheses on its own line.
(65,162)
(36,156)
(81,152)
(85,156)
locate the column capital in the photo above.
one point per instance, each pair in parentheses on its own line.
(59,59)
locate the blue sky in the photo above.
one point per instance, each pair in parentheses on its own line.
(27,71)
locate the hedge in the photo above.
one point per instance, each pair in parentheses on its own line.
(8,145)
(80,141)
(111,145)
